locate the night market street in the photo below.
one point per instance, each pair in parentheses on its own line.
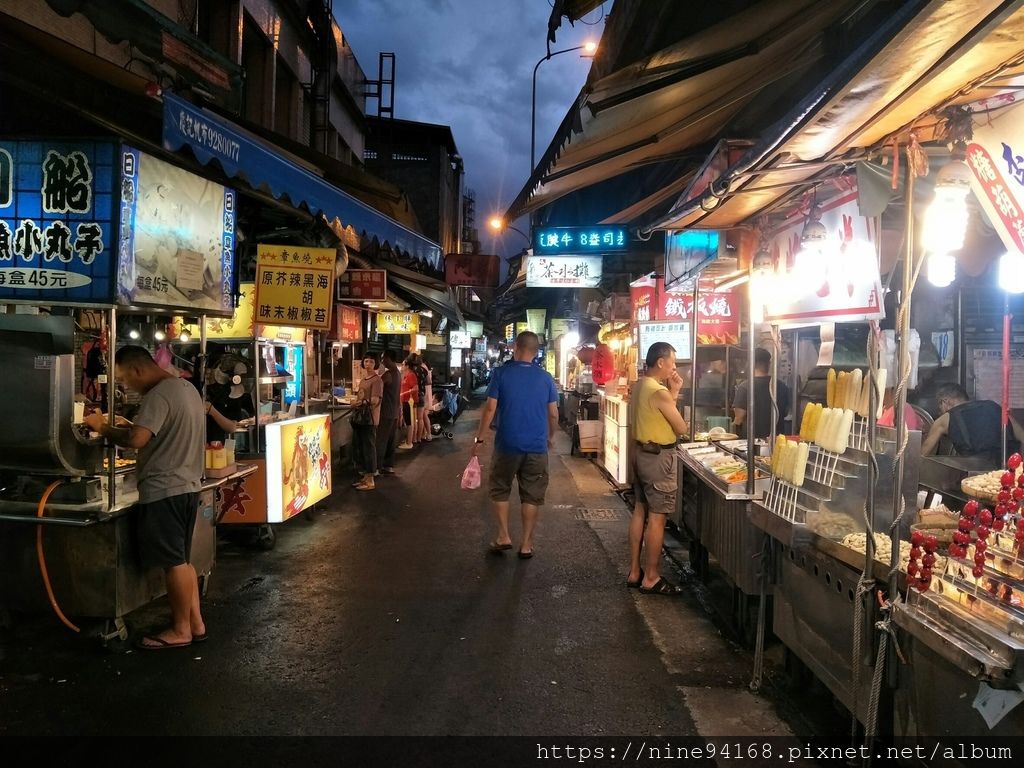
(384,615)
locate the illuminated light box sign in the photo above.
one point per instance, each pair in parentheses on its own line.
(688,252)
(399,322)
(460,339)
(177,240)
(363,285)
(602,238)
(563,271)
(677,334)
(298,465)
(475,328)
(294,285)
(58,221)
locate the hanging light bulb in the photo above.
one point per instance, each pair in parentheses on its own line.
(945,221)
(184,337)
(941,269)
(760,285)
(811,266)
(159,335)
(134,334)
(1011,272)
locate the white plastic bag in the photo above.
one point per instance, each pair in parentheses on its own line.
(471,475)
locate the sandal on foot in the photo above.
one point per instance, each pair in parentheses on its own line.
(200,638)
(662,587)
(525,555)
(638,583)
(496,549)
(152,643)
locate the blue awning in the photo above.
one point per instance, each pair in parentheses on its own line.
(211,137)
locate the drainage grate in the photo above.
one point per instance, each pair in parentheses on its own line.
(590,515)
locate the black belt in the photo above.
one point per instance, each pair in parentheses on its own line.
(669,445)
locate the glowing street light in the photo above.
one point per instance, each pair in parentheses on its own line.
(591,48)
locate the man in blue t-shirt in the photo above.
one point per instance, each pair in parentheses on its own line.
(524,397)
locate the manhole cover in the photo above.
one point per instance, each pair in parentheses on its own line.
(582,513)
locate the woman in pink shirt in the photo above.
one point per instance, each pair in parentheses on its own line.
(888,419)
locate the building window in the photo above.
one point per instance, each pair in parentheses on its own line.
(256,58)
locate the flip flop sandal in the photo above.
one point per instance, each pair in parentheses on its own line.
(201,638)
(496,549)
(524,555)
(631,584)
(160,645)
(662,587)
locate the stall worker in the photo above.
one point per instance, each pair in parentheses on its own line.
(656,424)
(974,427)
(168,433)
(762,400)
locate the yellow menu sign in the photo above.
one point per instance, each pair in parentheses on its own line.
(398,322)
(294,286)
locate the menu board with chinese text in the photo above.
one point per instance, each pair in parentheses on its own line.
(293,285)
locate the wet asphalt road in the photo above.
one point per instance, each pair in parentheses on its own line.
(383,615)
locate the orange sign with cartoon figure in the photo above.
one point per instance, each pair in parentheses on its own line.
(298,465)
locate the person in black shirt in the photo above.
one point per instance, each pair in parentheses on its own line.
(974,427)
(762,399)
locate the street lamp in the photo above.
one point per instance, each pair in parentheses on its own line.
(590,48)
(499,225)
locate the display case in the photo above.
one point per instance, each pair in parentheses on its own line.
(720,368)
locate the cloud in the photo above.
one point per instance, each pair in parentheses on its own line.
(469,64)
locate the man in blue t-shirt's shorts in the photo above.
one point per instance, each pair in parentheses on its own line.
(524,397)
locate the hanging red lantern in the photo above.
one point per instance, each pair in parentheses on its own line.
(603,365)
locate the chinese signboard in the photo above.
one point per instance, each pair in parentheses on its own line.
(563,271)
(460,339)
(473,269)
(293,357)
(521,328)
(510,332)
(475,328)
(535,320)
(241,324)
(846,285)
(349,323)
(298,465)
(398,322)
(58,218)
(177,242)
(363,285)
(677,334)
(601,238)
(689,251)
(718,313)
(560,327)
(293,285)
(996,159)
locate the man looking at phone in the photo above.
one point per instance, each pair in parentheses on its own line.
(656,424)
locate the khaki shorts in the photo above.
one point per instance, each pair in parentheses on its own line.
(529,469)
(654,480)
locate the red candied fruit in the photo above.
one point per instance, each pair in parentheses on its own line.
(1004,496)
(912,569)
(998,524)
(978,571)
(965,525)
(985,517)
(979,558)
(931,542)
(1020,523)
(982,532)
(1014,461)
(928,560)
(925,574)
(971,507)
(961,538)
(1018,493)
(916,538)
(1007,479)
(915,552)
(980,545)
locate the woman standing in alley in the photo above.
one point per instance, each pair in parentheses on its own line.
(408,397)
(371,390)
(427,380)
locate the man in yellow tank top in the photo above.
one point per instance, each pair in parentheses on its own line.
(656,423)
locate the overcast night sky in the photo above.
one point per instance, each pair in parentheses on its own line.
(469,64)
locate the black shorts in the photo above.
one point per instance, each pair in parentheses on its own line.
(165,530)
(407,412)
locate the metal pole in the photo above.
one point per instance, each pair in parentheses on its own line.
(794,381)
(902,336)
(693,361)
(201,363)
(749,421)
(533,114)
(1005,403)
(111,392)
(256,395)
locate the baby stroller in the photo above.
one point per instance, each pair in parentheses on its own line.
(449,407)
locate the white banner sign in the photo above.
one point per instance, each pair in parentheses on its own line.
(841,284)
(460,339)
(996,158)
(677,334)
(563,271)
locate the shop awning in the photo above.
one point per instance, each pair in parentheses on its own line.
(261,165)
(926,56)
(432,294)
(680,98)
